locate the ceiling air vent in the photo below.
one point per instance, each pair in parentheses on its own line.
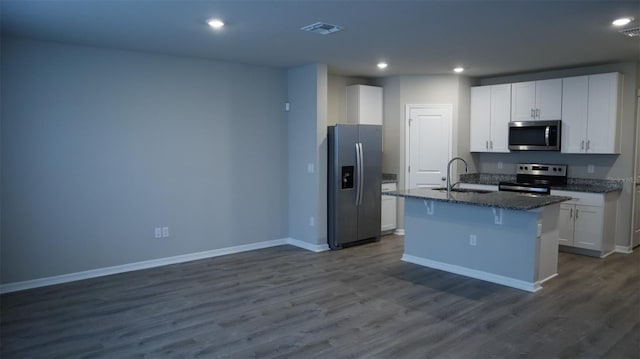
(631,32)
(321,28)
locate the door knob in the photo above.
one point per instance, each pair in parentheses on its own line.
(444,178)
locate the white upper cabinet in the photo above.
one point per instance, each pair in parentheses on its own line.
(490,115)
(364,105)
(590,114)
(536,100)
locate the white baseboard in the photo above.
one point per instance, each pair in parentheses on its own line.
(64,278)
(623,249)
(308,246)
(399,231)
(489,277)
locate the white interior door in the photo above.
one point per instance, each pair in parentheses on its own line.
(428,136)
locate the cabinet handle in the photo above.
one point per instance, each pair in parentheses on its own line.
(486,144)
(577,213)
(532,115)
(582,145)
(571,213)
(491,144)
(588,144)
(538,113)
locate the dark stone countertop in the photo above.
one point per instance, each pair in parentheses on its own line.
(389,178)
(573,184)
(507,200)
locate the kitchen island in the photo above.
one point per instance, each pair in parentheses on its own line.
(501,237)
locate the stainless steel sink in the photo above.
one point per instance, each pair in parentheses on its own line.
(463,190)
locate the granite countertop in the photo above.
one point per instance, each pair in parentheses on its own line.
(507,200)
(573,184)
(389,178)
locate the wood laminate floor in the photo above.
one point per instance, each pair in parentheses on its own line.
(361,302)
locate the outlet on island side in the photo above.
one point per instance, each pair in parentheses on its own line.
(472,240)
(161,232)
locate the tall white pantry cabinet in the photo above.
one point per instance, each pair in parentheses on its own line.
(364,105)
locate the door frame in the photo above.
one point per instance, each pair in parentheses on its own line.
(635,206)
(407,130)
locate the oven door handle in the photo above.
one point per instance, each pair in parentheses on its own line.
(546,135)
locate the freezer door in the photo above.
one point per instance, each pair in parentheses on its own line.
(342,185)
(370,138)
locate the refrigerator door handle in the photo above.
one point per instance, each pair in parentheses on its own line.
(360,173)
(361,185)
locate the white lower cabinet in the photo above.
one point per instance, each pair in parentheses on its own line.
(388,208)
(582,227)
(588,221)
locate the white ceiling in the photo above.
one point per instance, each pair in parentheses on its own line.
(414,37)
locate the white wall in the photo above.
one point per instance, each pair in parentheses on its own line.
(402,90)
(606,166)
(100,146)
(307,136)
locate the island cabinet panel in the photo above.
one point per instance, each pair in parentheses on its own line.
(536,100)
(510,247)
(587,222)
(490,116)
(591,114)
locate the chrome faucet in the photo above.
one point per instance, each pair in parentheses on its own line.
(466,169)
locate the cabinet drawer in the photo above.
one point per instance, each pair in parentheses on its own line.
(388,187)
(581,198)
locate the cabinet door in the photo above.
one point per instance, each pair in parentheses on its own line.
(565,224)
(575,93)
(500,117)
(589,224)
(388,208)
(388,213)
(523,101)
(549,99)
(370,105)
(602,125)
(480,121)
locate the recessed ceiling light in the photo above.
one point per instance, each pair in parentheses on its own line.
(216,23)
(622,21)
(458,69)
(382,65)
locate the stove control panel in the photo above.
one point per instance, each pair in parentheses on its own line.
(538,169)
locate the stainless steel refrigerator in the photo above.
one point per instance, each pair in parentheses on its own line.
(354,184)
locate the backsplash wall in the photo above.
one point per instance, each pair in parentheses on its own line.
(578,164)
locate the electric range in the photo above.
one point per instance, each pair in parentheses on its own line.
(536,178)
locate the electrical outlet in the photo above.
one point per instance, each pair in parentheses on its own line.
(311,168)
(590,168)
(158,232)
(472,240)
(312,221)
(500,165)
(165,232)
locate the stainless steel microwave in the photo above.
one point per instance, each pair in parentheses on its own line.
(535,135)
